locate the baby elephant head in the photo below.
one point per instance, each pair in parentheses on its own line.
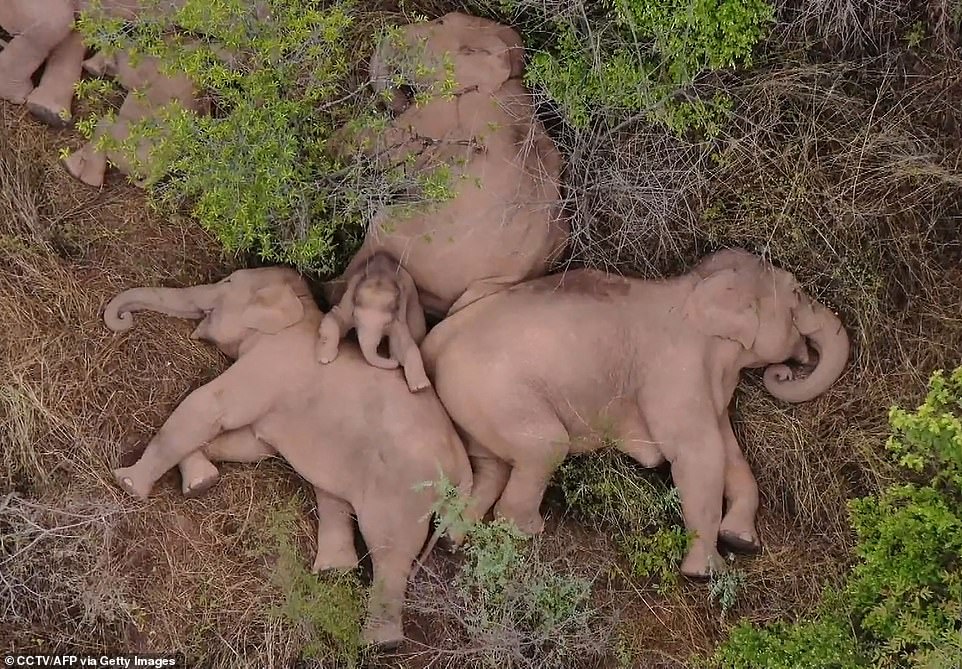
(264,300)
(741,297)
(380,297)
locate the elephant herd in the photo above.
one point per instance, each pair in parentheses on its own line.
(524,367)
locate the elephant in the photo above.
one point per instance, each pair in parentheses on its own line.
(42,30)
(567,363)
(380,300)
(502,223)
(356,433)
(149,90)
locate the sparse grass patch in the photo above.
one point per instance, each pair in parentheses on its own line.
(327,609)
(508,605)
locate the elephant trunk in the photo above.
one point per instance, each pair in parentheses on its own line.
(369,341)
(181,302)
(827,336)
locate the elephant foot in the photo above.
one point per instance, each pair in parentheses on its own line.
(326,353)
(98,64)
(383,635)
(701,563)
(128,479)
(48,109)
(196,483)
(343,559)
(88,170)
(529,523)
(15,91)
(418,383)
(746,543)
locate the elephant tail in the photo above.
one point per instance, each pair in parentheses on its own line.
(463,479)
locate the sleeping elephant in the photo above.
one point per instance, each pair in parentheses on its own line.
(42,31)
(503,222)
(381,299)
(356,433)
(559,364)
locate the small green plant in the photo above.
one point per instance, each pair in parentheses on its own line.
(901,605)
(328,609)
(643,512)
(509,600)
(725,588)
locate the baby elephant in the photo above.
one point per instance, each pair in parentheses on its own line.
(381,299)
(275,400)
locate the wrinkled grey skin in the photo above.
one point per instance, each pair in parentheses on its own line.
(356,433)
(564,363)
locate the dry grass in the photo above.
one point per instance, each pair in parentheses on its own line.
(845,172)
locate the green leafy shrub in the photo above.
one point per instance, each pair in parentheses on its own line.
(643,512)
(265,172)
(629,56)
(901,605)
(509,604)
(328,608)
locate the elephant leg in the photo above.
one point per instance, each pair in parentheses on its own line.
(226,403)
(35,35)
(394,533)
(741,492)
(694,446)
(89,164)
(335,533)
(51,100)
(197,471)
(538,448)
(490,476)
(635,440)
(406,352)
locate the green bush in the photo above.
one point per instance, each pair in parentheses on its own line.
(327,608)
(629,56)
(642,511)
(901,605)
(509,601)
(265,172)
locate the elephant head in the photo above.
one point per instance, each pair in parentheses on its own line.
(248,301)
(380,296)
(740,297)
(476,52)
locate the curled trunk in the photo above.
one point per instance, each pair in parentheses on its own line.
(181,302)
(828,337)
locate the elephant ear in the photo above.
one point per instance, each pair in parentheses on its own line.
(273,308)
(720,305)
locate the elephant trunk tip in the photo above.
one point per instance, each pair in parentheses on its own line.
(118,321)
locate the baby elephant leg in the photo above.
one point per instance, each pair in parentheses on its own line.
(406,352)
(52,99)
(335,533)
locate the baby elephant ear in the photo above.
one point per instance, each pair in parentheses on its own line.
(273,308)
(724,306)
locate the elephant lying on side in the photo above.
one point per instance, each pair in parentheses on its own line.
(150,89)
(381,299)
(42,31)
(354,432)
(503,224)
(554,365)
